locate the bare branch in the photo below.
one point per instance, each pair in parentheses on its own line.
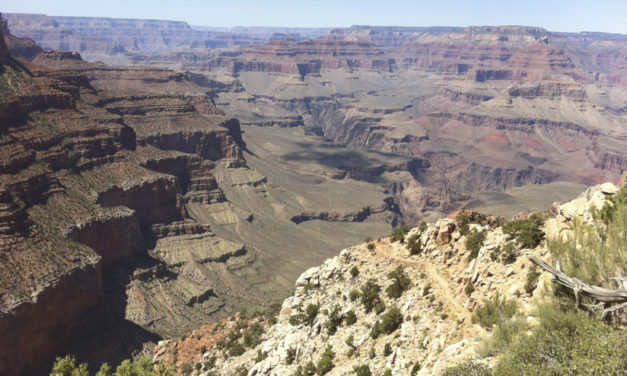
(597,293)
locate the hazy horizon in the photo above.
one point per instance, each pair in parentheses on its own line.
(573,16)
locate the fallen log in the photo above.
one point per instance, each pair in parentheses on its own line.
(599,294)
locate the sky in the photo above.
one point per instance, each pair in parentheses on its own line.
(556,15)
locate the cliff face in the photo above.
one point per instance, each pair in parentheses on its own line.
(115,40)
(78,207)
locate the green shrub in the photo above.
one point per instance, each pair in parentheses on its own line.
(612,208)
(349,341)
(261,355)
(370,246)
(310,313)
(291,356)
(375,331)
(414,245)
(252,337)
(370,295)
(144,367)
(414,369)
(350,318)
(596,254)
(391,320)
(509,253)
(494,311)
(532,280)
(308,317)
(105,370)
(469,289)
(325,364)
(388,372)
(474,242)
(354,271)
(236,350)
(387,350)
(566,343)
(379,308)
(354,295)
(504,334)
(468,369)
(527,232)
(400,283)
(308,370)
(66,366)
(241,371)
(398,235)
(426,290)
(335,320)
(362,370)
(422,226)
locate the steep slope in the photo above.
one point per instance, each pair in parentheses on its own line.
(425,321)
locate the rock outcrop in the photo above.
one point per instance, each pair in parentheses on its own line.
(435,328)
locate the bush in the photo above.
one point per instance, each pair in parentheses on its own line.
(494,311)
(66,366)
(351,318)
(468,369)
(415,369)
(611,211)
(291,356)
(388,372)
(379,308)
(398,235)
(325,364)
(143,367)
(335,320)
(308,317)
(391,320)
(236,350)
(363,370)
(532,280)
(503,336)
(349,341)
(354,295)
(252,338)
(354,271)
(469,289)
(308,370)
(566,343)
(527,232)
(370,295)
(370,246)
(596,254)
(400,284)
(414,245)
(422,226)
(375,331)
(387,350)
(474,242)
(509,253)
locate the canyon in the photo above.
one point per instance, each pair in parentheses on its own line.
(158,176)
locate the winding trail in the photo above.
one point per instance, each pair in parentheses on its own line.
(444,288)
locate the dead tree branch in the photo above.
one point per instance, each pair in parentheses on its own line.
(597,293)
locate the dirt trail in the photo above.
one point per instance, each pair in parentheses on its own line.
(444,289)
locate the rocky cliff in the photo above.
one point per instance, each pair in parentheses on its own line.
(418,320)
